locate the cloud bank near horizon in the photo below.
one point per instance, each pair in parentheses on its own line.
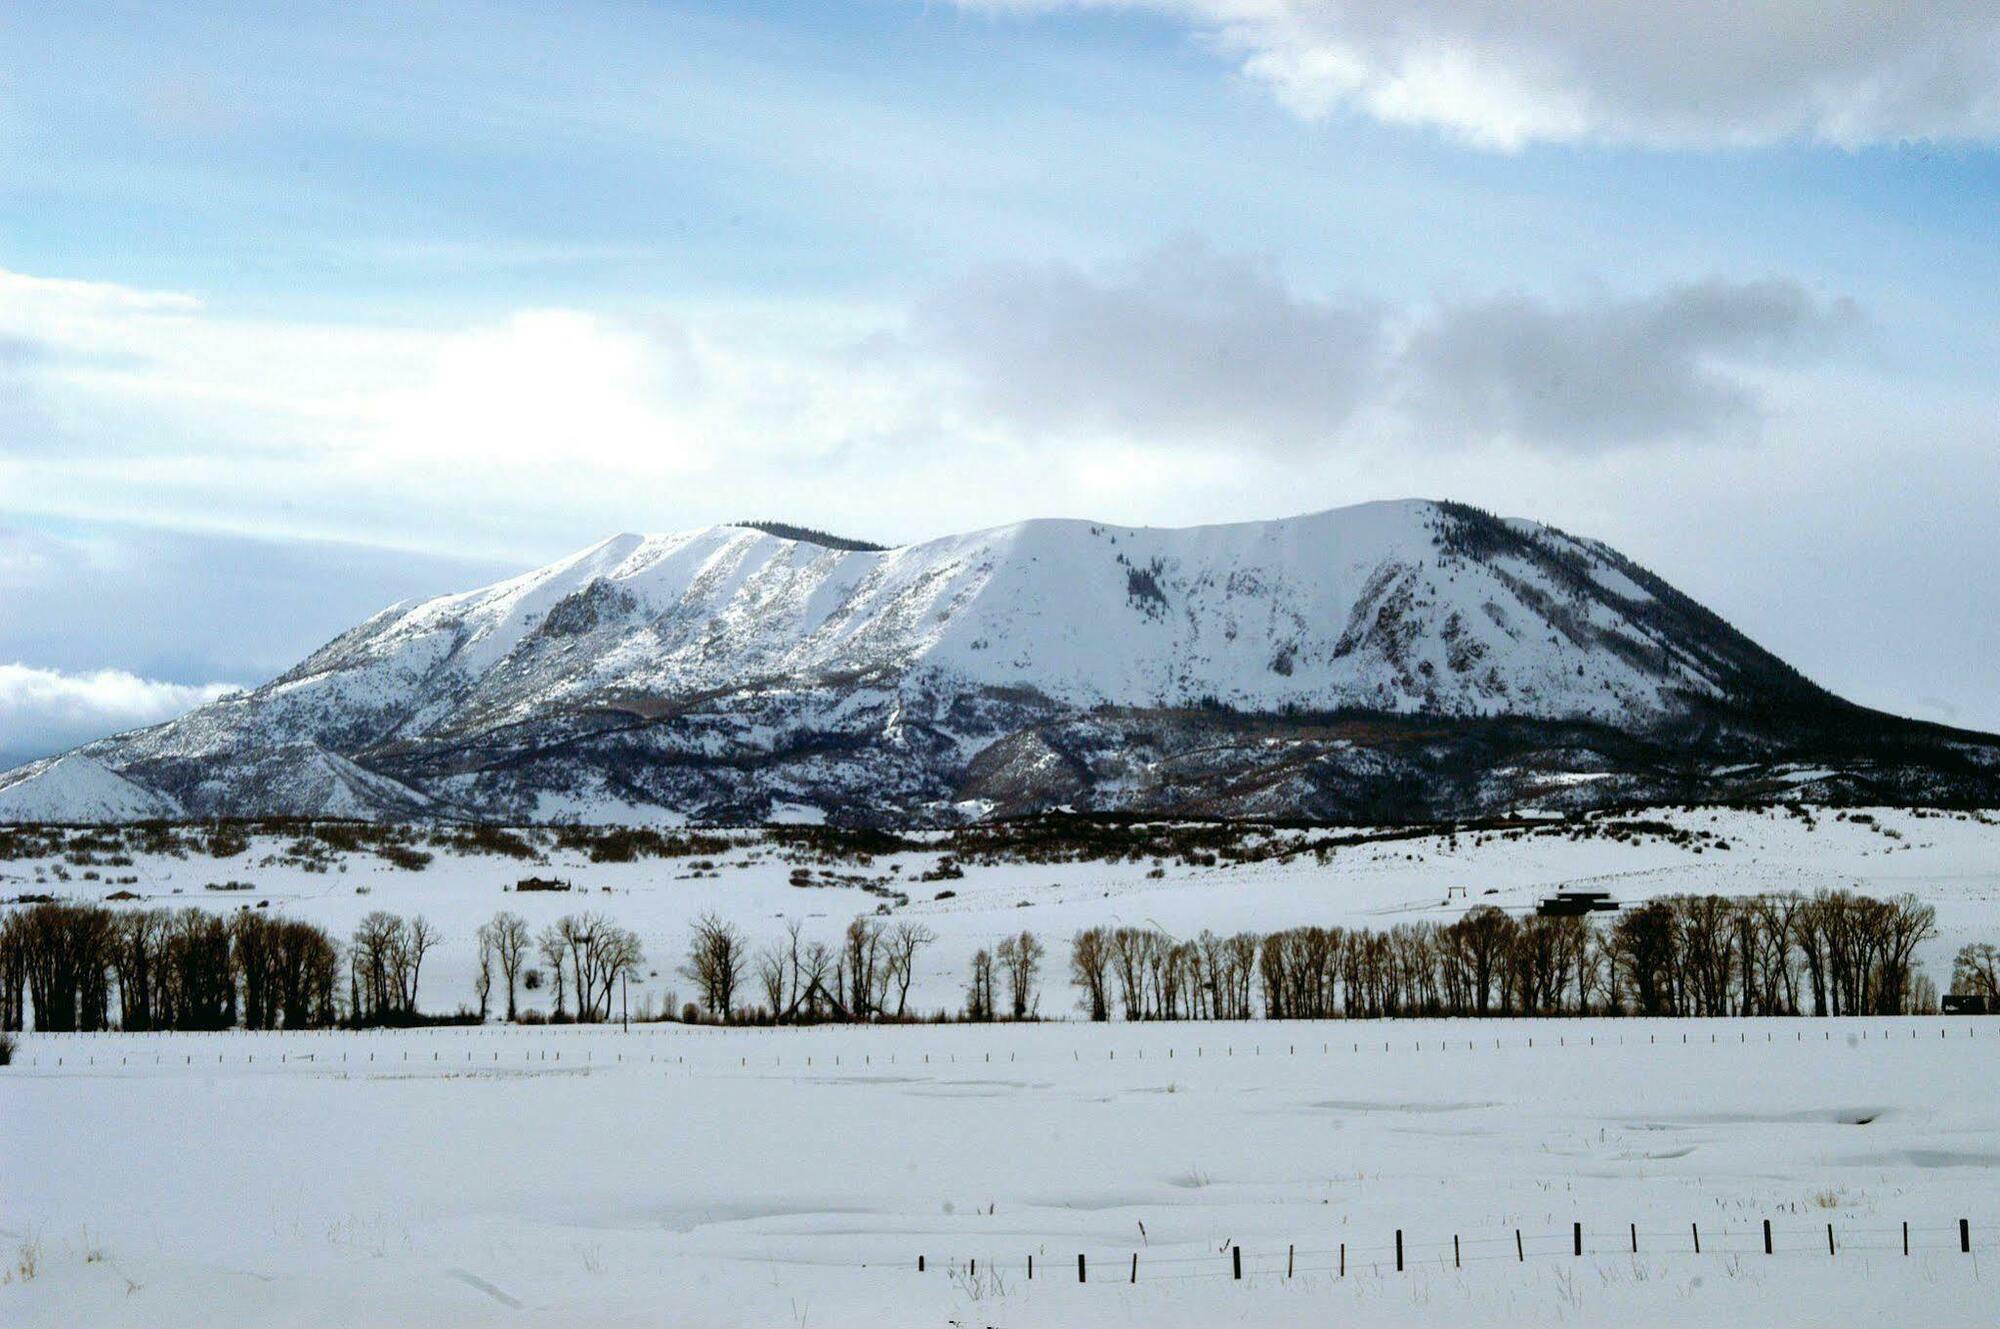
(49,710)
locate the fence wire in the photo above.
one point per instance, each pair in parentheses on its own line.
(1431,1255)
(31,1054)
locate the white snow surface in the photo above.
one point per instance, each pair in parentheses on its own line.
(753,1178)
(689,1176)
(79,789)
(1048,604)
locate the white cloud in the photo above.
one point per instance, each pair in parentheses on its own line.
(480,437)
(1503,74)
(46,710)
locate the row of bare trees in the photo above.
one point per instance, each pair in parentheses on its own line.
(1153,976)
(84,967)
(79,967)
(865,976)
(1017,960)
(1834,953)
(385,964)
(587,955)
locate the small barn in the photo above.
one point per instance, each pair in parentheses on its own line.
(1575,904)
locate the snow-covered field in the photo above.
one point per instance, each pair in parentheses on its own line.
(693,1176)
(1951,861)
(696,1177)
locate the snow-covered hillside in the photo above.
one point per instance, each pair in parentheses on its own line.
(77,788)
(717,673)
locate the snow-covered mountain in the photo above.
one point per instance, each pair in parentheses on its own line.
(744,672)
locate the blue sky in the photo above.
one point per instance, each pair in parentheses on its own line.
(443,289)
(335,160)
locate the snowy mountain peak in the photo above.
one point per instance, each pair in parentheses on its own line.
(716,671)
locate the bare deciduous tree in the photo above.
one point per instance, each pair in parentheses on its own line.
(418,940)
(506,936)
(861,964)
(553,948)
(374,965)
(904,943)
(1021,960)
(1975,972)
(979,988)
(1089,969)
(716,957)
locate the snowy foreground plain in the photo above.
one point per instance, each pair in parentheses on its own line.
(685,1176)
(691,1176)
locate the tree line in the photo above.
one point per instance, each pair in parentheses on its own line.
(865,976)
(81,967)
(86,967)
(1833,953)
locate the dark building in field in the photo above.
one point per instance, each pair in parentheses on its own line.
(1575,904)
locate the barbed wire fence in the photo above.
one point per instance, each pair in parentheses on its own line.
(1400,1254)
(86,1056)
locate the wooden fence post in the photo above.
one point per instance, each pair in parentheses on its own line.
(1576,1234)
(1520,1255)
(1135,1266)
(1767,1236)
(1079,1267)
(920,1264)
(1343,1259)
(1829,1238)
(1635,1238)
(1236,1260)
(1906,1237)
(1696,1229)
(1964,1237)
(1291,1252)
(1399,1250)
(1454,1252)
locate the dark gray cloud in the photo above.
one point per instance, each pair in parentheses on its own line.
(1610,372)
(1186,345)
(1183,342)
